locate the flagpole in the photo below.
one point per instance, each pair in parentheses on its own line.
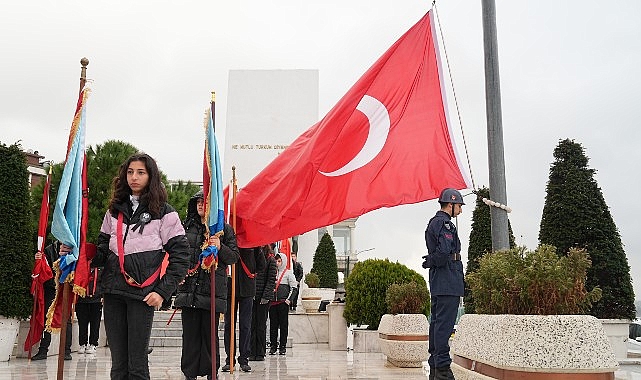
(212,281)
(232,339)
(66,288)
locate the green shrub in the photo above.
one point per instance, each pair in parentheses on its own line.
(325,265)
(541,282)
(409,298)
(366,288)
(312,280)
(17,237)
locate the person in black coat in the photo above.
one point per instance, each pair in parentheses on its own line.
(89,313)
(51,253)
(251,261)
(265,283)
(194,294)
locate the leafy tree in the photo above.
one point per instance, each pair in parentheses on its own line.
(325,265)
(103,164)
(17,236)
(178,196)
(480,241)
(575,215)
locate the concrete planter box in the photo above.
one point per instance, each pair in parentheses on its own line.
(532,347)
(618,331)
(403,338)
(8,335)
(366,341)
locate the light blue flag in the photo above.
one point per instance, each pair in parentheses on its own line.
(67,214)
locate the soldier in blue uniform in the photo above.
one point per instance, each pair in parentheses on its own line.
(446,281)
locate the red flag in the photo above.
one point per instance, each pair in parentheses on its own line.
(40,274)
(285,248)
(387,142)
(226,200)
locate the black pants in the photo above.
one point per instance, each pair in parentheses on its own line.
(444,310)
(278,320)
(259,328)
(294,304)
(45,341)
(128,325)
(196,350)
(243,313)
(89,314)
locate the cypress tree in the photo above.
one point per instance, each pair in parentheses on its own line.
(480,241)
(17,236)
(575,215)
(325,265)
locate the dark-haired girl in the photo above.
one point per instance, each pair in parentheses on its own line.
(137,230)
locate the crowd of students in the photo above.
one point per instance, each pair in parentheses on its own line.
(139,229)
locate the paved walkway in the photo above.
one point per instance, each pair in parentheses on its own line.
(302,362)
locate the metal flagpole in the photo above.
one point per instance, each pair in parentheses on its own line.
(496,159)
(212,281)
(66,288)
(232,338)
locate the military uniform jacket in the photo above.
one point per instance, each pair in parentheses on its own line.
(445,275)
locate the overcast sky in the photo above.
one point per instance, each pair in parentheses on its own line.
(569,69)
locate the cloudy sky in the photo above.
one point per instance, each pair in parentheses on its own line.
(569,69)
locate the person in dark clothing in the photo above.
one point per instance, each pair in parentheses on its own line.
(52,255)
(89,313)
(279,307)
(251,261)
(265,282)
(297,268)
(446,281)
(137,230)
(194,294)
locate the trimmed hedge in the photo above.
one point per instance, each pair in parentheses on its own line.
(325,265)
(17,238)
(367,286)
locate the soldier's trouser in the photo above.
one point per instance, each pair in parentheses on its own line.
(444,310)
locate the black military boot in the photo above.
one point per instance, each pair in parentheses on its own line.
(444,373)
(432,373)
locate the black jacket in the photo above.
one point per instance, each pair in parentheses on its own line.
(266,280)
(196,290)
(254,262)
(145,245)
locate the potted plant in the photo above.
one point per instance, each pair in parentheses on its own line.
(403,334)
(311,296)
(326,267)
(16,246)
(533,303)
(365,289)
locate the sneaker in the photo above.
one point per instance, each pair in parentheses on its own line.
(272,351)
(91,349)
(67,356)
(245,368)
(82,349)
(225,368)
(41,355)
(282,351)
(149,350)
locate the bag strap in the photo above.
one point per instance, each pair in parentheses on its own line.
(121,258)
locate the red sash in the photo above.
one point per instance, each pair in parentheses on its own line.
(121,258)
(246,270)
(279,280)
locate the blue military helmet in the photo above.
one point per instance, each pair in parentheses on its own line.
(450,195)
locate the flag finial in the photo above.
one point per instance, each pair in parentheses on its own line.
(213,96)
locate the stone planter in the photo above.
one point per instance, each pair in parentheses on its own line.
(310,299)
(8,335)
(403,338)
(366,340)
(532,347)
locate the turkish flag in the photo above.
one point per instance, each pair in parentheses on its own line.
(387,142)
